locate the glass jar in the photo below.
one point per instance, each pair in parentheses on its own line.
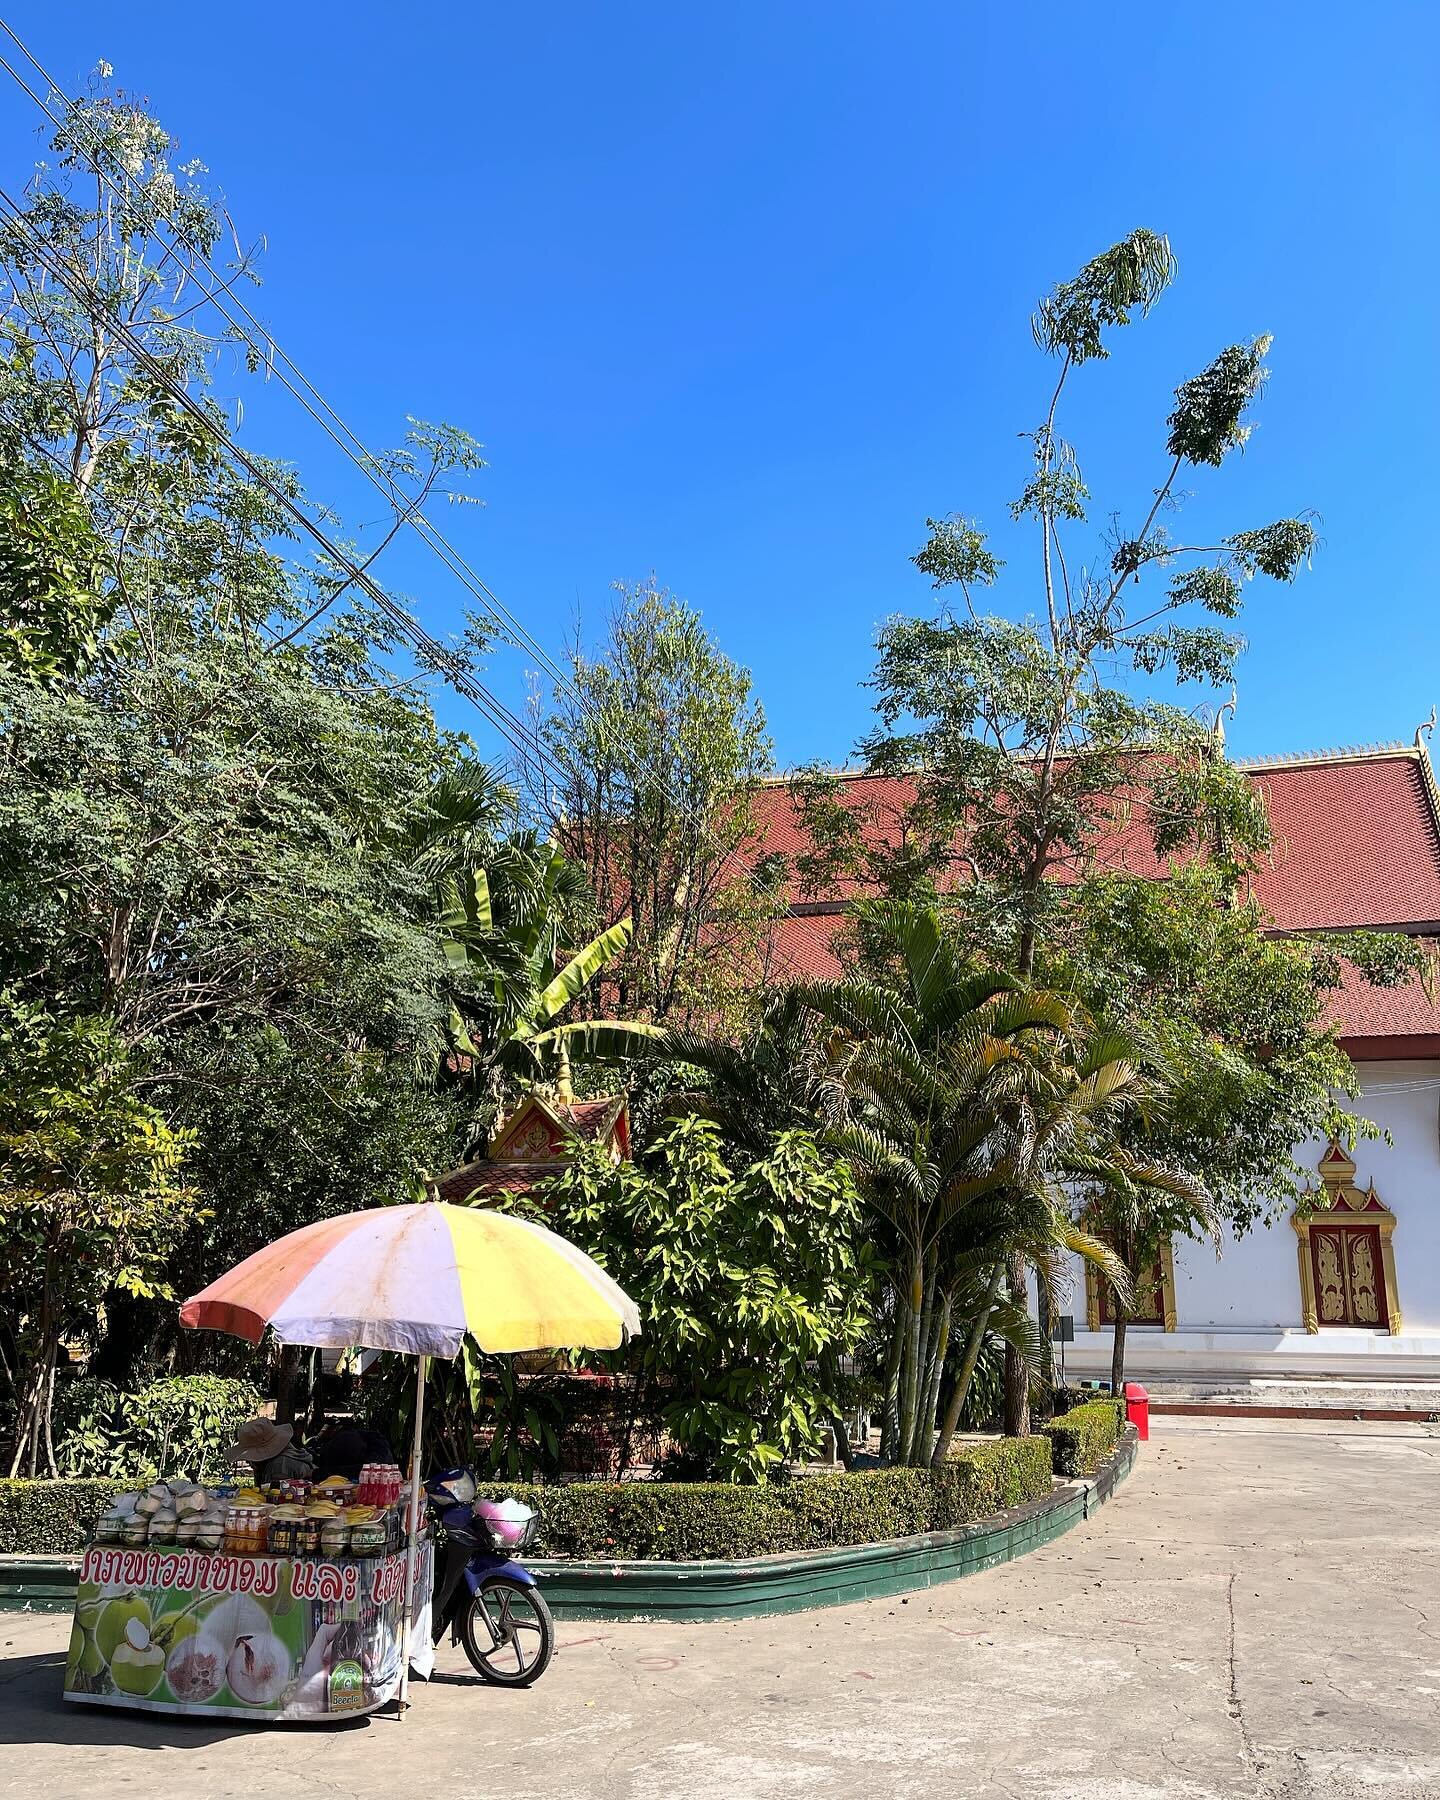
(368,1539)
(283,1536)
(334,1538)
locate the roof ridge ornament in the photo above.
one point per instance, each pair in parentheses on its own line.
(1423,731)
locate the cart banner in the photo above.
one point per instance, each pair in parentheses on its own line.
(244,1637)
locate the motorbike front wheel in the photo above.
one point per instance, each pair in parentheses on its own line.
(508,1633)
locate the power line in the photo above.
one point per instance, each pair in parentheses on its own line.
(369,466)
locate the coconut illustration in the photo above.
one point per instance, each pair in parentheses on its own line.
(259,1669)
(115,1618)
(137,1665)
(196,1668)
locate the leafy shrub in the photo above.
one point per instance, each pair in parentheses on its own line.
(178,1426)
(1085,1436)
(685,1521)
(750,1283)
(51,1518)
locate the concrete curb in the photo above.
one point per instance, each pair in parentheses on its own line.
(691,1591)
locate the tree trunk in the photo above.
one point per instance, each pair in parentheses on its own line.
(890,1424)
(1117,1355)
(967,1370)
(1047,1354)
(910,1381)
(1017,1368)
(934,1374)
(286,1371)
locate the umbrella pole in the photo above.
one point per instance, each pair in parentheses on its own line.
(412,1530)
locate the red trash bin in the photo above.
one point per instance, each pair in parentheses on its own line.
(1137,1409)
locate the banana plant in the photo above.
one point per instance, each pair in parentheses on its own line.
(502,927)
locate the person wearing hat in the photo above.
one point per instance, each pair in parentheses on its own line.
(268,1446)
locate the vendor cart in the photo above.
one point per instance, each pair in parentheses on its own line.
(263,1638)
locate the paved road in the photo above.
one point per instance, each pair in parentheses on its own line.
(1254,1615)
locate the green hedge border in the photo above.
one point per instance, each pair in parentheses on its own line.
(1081,1439)
(679,1521)
(744,1587)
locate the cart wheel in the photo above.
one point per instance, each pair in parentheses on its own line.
(508,1633)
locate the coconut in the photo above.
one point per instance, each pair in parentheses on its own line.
(196,1668)
(148,1505)
(258,1669)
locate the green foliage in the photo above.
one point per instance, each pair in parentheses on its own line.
(90,1197)
(1129,277)
(179,1426)
(752,1282)
(1085,1436)
(51,1518)
(1208,419)
(683,1521)
(655,753)
(969,1098)
(52,606)
(955,553)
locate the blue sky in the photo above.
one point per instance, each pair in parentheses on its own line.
(737,295)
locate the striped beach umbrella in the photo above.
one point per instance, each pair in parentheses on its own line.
(418,1279)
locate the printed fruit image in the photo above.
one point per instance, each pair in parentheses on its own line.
(137,1665)
(259,1669)
(84,1654)
(195,1668)
(173,1628)
(115,1617)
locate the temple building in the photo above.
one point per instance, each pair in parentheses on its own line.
(535,1142)
(1350,1290)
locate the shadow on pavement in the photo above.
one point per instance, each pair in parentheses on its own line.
(32,1711)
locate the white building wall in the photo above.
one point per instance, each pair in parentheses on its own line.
(1241,1313)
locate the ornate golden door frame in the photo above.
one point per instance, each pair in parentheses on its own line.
(1169,1316)
(1346,1205)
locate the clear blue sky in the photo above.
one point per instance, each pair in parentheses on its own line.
(739,294)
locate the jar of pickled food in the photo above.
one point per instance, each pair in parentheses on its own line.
(334,1538)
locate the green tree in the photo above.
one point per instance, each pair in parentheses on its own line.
(752,1280)
(90,1200)
(53,605)
(1026,743)
(215,824)
(655,749)
(974,1100)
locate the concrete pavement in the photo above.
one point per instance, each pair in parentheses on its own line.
(1254,1615)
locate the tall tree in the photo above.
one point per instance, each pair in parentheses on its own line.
(1027,743)
(655,748)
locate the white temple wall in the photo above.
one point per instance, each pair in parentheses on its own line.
(1242,1313)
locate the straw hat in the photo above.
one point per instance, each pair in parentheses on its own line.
(258,1440)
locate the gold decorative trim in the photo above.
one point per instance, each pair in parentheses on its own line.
(1360,1206)
(1169,1312)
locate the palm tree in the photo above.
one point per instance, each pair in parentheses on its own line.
(971,1100)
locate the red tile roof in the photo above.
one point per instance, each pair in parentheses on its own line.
(496,1178)
(1356,842)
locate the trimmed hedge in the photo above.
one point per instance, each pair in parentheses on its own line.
(52,1518)
(690,1521)
(675,1521)
(1085,1436)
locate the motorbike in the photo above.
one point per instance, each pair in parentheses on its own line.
(490,1603)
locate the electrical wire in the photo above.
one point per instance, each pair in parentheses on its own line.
(369,466)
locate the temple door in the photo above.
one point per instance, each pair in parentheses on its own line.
(1349,1289)
(1149,1298)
